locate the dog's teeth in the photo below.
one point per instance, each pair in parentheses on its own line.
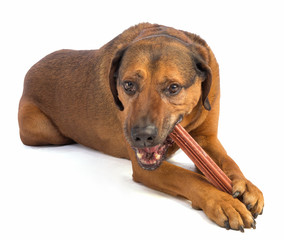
(157,156)
(139,155)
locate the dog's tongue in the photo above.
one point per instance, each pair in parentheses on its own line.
(151,149)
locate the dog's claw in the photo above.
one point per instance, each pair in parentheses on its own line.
(255,215)
(253,225)
(236,194)
(249,206)
(227,225)
(241,228)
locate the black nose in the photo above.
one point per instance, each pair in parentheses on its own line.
(144,136)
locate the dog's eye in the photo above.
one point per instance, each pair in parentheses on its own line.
(173,89)
(130,87)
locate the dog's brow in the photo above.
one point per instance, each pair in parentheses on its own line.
(137,75)
(167,81)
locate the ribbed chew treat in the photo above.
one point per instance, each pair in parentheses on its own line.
(201,159)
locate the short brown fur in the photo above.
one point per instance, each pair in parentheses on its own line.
(72,96)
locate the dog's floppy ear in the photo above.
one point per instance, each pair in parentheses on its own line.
(204,71)
(113,76)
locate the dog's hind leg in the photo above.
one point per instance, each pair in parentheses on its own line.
(36,128)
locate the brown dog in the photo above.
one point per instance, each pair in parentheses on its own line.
(125,98)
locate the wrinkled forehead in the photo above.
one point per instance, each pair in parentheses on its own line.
(157,53)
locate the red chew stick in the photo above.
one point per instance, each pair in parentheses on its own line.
(201,159)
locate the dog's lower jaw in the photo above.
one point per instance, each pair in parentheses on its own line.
(152,157)
(148,161)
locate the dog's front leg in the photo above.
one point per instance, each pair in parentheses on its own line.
(251,196)
(219,206)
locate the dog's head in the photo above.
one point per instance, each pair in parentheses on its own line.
(155,82)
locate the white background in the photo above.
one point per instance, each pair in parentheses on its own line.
(73,192)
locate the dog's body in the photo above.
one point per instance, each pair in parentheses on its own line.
(72,94)
(125,98)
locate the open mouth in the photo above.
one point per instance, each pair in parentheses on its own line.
(151,158)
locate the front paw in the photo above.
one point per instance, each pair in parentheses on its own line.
(250,195)
(228,212)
